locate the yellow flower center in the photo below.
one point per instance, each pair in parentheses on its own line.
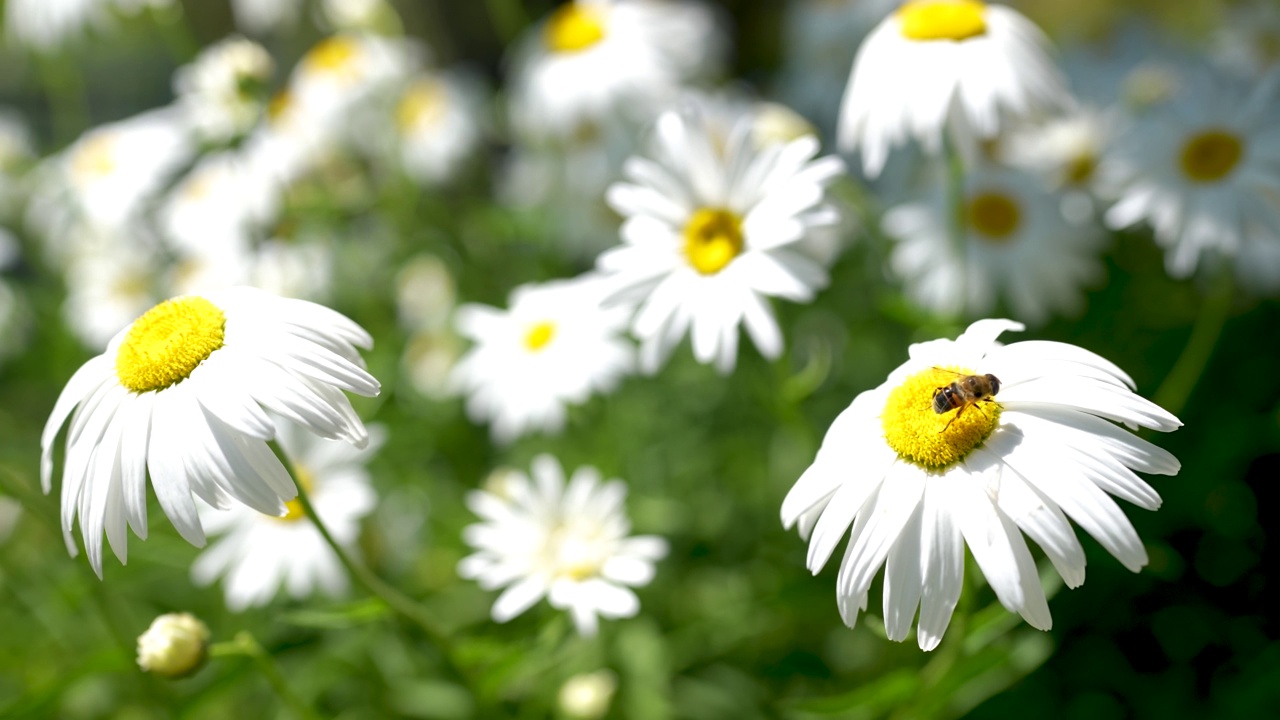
(1080,168)
(1211,155)
(573,28)
(167,343)
(712,239)
(295,511)
(423,102)
(993,215)
(332,56)
(95,158)
(943,19)
(929,439)
(576,554)
(539,335)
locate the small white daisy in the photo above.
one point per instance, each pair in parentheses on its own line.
(45,24)
(1016,246)
(1203,170)
(711,229)
(182,395)
(1066,151)
(258,554)
(918,485)
(554,346)
(568,544)
(259,17)
(595,59)
(936,66)
(222,93)
(110,281)
(438,125)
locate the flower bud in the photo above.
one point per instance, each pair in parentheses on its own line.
(174,646)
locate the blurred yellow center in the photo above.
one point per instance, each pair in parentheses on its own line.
(1211,155)
(538,335)
(921,436)
(279,106)
(166,344)
(712,239)
(573,28)
(993,215)
(942,19)
(1080,169)
(423,103)
(96,157)
(293,509)
(332,55)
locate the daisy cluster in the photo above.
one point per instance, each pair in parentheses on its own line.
(613,250)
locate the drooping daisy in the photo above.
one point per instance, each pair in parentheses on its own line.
(917,485)
(1016,246)
(710,233)
(181,395)
(569,544)
(936,66)
(223,92)
(1203,171)
(259,554)
(593,59)
(438,124)
(554,346)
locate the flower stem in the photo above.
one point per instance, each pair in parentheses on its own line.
(245,644)
(67,96)
(955,212)
(1181,380)
(508,18)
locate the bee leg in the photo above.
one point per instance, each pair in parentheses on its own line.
(953,418)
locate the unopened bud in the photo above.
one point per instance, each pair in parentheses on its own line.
(174,646)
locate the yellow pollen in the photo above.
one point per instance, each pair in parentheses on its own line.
(916,432)
(993,215)
(943,19)
(712,239)
(96,158)
(573,28)
(166,344)
(332,55)
(1211,155)
(295,511)
(423,102)
(539,335)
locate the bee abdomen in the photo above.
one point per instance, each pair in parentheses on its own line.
(942,401)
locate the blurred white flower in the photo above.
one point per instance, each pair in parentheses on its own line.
(110,281)
(1204,172)
(259,554)
(1066,152)
(259,17)
(587,696)
(438,125)
(17,151)
(182,394)
(936,66)
(355,14)
(425,294)
(175,645)
(710,232)
(917,485)
(45,24)
(1016,244)
(554,346)
(593,60)
(568,544)
(222,91)
(216,206)
(1248,40)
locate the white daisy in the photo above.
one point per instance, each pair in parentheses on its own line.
(1016,246)
(45,24)
(711,230)
(594,59)
(918,485)
(438,125)
(258,554)
(182,394)
(1066,151)
(110,281)
(554,346)
(1202,171)
(265,16)
(222,92)
(944,65)
(568,544)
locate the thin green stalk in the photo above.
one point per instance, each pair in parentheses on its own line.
(245,644)
(957,224)
(1181,380)
(68,97)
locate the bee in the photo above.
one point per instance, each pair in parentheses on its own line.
(965,391)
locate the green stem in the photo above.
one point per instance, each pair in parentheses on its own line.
(508,18)
(1181,380)
(68,99)
(245,644)
(396,600)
